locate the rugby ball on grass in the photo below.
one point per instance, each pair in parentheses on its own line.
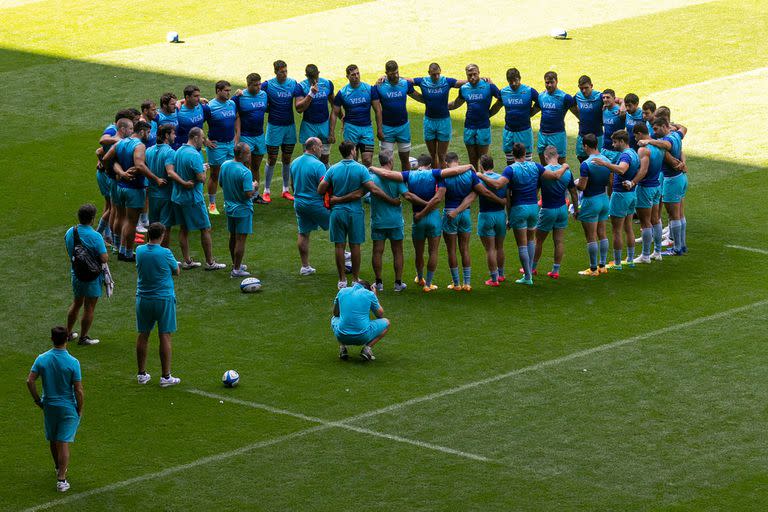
(250,285)
(558,33)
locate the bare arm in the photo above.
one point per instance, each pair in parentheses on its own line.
(432,203)
(535,110)
(416,96)
(555,175)
(414,199)
(376,104)
(459,101)
(680,128)
(643,153)
(464,205)
(618,169)
(171,172)
(495,108)
(455,171)
(375,190)
(387,174)
(659,143)
(32,387)
(483,191)
(302,103)
(494,183)
(574,201)
(348,198)
(322,187)
(237,128)
(335,114)
(575,110)
(79,396)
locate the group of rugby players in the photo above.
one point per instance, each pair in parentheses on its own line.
(151,169)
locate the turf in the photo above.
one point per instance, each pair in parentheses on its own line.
(670,422)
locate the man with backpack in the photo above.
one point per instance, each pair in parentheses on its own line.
(86,250)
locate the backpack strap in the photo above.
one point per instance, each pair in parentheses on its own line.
(76,240)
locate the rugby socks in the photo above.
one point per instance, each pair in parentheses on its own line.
(510,158)
(467,271)
(269,170)
(592,250)
(531,250)
(534,264)
(604,252)
(647,236)
(144,219)
(121,250)
(212,198)
(495,276)
(525,261)
(286,177)
(555,268)
(420,274)
(630,253)
(683,242)
(455,275)
(675,230)
(103,225)
(501,271)
(657,235)
(430,277)
(617,257)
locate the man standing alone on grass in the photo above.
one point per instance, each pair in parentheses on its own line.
(62,401)
(155,302)
(351,322)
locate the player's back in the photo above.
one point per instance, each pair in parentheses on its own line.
(457,188)
(523,180)
(655,161)
(344,178)
(553,191)
(597,176)
(486,205)
(422,183)
(307,171)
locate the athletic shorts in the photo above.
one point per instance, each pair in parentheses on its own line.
(552,218)
(345,225)
(674,188)
(257,143)
(104,183)
(358,134)
(310,217)
(161,210)
(580,145)
(61,422)
(193,217)
(438,129)
(558,140)
(88,289)
(647,197)
(461,224)
(477,136)
(240,225)
(161,311)
(375,328)
(524,137)
(281,135)
(133,198)
(429,226)
(492,224)
(319,130)
(400,134)
(622,204)
(523,216)
(221,153)
(594,208)
(387,233)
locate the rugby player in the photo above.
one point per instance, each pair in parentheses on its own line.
(220,114)
(492,225)
(649,196)
(593,182)
(357,99)
(553,104)
(281,129)
(313,103)
(518,101)
(588,108)
(251,106)
(614,114)
(238,186)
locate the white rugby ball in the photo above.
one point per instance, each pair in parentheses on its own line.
(558,33)
(250,285)
(172,37)
(230,378)
(413,163)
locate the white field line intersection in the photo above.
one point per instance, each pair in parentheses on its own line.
(391,408)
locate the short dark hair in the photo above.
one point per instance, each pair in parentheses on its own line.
(155,231)
(486,162)
(141,125)
(146,105)
(253,77)
(513,73)
(621,135)
(351,68)
(640,128)
(59,335)
(590,140)
(124,114)
(166,98)
(222,84)
(312,72)
(366,284)
(584,80)
(663,111)
(632,98)
(391,65)
(190,90)
(550,75)
(135,113)
(660,121)
(451,156)
(518,150)
(278,65)
(86,214)
(424,160)
(164,131)
(345,148)
(240,149)
(610,92)
(434,66)
(649,105)
(385,157)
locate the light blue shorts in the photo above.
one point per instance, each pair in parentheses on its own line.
(221,153)
(161,210)
(193,217)
(594,208)
(524,137)
(674,188)
(319,130)
(477,137)
(622,204)
(400,134)
(429,226)
(358,134)
(552,218)
(523,216)
(461,224)
(347,226)
(240,225)
(492,224)
(279,135)
(133,198)
(160,311)
(257,143)
(558,140)
(310,217)
(580,146)
(375,328)
(86,288)
(387,233)
(438,129)
(647,197)
(61,422)
(105,184)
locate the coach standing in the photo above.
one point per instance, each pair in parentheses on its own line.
(62,401)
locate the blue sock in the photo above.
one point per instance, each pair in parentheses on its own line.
(212,198)
(455,275)
(617,256)
(522,251)
(286,176)
(657,230)
(430,276)
(630,253)
(467,275)
(108,232)
(592,250)
(420,274)
(128,253)
(647,234)
(144,218)
(555,268)
(103,225)
(683,242)
(269,170)
(501,271)
(121,250)
(604,251)
(495,276)
(675,228)
(531,250)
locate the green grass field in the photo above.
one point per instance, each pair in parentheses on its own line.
(641,390)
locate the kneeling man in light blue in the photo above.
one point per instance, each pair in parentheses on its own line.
(155,303)
(239,189)
(351,322)
(62,401)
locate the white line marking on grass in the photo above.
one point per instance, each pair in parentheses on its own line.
(269,442)
(339,424)
(750,249)
(728,78)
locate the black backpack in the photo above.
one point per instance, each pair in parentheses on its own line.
(84,265)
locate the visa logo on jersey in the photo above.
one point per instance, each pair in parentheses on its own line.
(395,94)
(473,97)
(281,94)
(431,90)
(549,105)
(258,105)
(515,101)
(357,101)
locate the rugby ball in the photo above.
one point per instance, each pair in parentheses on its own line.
(558,33)
(250,285)
(230,378)
(413,163)
(172,37)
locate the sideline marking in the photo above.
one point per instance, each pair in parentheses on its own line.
(750,249)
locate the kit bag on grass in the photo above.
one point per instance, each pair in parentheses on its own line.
(84,265)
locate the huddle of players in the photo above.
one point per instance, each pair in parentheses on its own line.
(241,119)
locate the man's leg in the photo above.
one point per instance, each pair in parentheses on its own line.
(55,455)
(119,222)
(434,249)
(473,154)
(355,250)
(340,260)
(88,312)
(442,149)
(617,228)
(129,230)
(500,255)
(405,159)
(232,244)
(62,452)
(213,184)
(269,170)
(286,154)
(367,158)
(418,259)
(657,227)
(558,237)
(541,236)
(451,241)
(397,256)
(521,238)
(184,243)
(207,243)
(466,262)
(531,237)
(239,251)
(376,256)
(590,233)
(489,244)
(433,153)
(72,313)
(602,236)
(165,353)
(142,341)
(255,165)
(381,335)
(303,245)
(629,233)
(675,225)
